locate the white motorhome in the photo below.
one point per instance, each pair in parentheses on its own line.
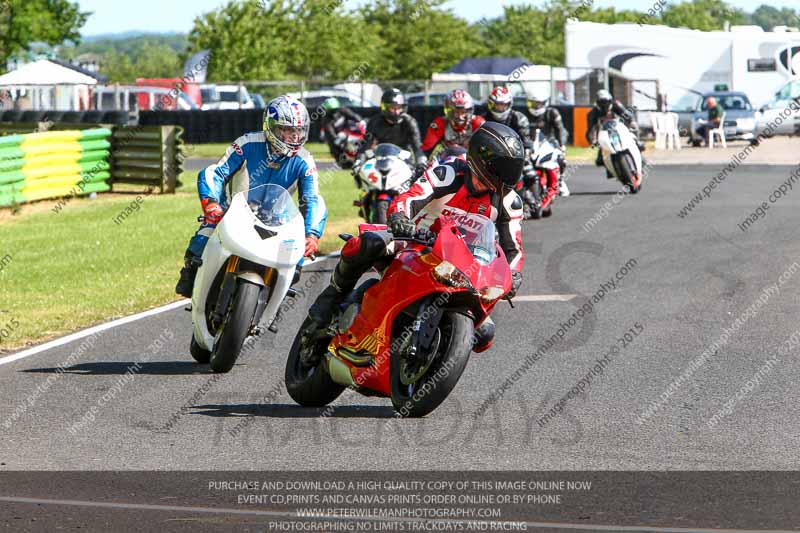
(686,62)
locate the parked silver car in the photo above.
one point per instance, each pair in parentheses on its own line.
(781,116)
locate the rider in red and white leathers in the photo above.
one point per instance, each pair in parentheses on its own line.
(480,183)
(445,190)
(456,126)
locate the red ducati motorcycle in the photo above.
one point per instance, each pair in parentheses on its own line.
(408,335)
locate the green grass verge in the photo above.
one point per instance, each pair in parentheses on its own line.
(318,150)
(576,153)
(78,268)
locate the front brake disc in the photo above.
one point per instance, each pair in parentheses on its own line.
(413,371)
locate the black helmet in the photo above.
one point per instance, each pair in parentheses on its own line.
(604,99)
(496,156)
(392,97)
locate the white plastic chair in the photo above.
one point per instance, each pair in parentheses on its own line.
(718,132)
(672,132)
(657,119)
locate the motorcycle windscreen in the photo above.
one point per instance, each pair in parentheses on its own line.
(478,234)
(478,250)
(387,150)
(385,156)
(611,126)
(272,204)
(539,140)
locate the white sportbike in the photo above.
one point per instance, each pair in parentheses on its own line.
(248,267)
(621,154)
(385,174)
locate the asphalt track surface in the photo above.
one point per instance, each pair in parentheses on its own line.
(692,278)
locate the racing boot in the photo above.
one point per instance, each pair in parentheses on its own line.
(563,190)
(185,284)
(320,314)
(343,281)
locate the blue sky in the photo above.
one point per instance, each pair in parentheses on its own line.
(116,16)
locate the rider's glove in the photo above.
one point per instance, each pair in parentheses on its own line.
(212,211)
(401,226)
(516,281)
(425,235)
(358,162)
(312,245)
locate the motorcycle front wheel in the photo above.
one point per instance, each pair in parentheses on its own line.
(236,327)
(453,349)
(381,207)
(201,355)
(627,167)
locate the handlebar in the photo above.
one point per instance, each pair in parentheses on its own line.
(419,237)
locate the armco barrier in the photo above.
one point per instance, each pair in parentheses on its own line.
(148,155)
(226,126)
(141,155)
(51,164)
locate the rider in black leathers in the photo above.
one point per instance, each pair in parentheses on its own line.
(607,107)
(394,125)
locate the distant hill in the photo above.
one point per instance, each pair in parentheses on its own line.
(134,54)
(131,43)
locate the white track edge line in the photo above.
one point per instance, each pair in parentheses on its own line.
(90,331)
(544,297)
(55,343)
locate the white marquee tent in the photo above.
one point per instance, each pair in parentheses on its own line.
(49,85)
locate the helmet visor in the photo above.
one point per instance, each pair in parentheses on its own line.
(499,107)
(536,104)
(460,115)
(293,136)
(395,109)
(499,171)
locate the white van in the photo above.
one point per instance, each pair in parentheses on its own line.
(225,97)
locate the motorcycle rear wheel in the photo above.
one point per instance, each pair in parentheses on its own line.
(235,328)
(309,387)
(430,390)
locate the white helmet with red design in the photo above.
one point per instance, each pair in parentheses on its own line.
(286,124)
(458,108)
(499,104)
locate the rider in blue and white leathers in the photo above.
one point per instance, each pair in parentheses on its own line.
(275,155)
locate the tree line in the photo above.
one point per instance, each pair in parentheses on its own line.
(325,39)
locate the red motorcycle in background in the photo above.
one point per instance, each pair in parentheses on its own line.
(349,138)
(408,336)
